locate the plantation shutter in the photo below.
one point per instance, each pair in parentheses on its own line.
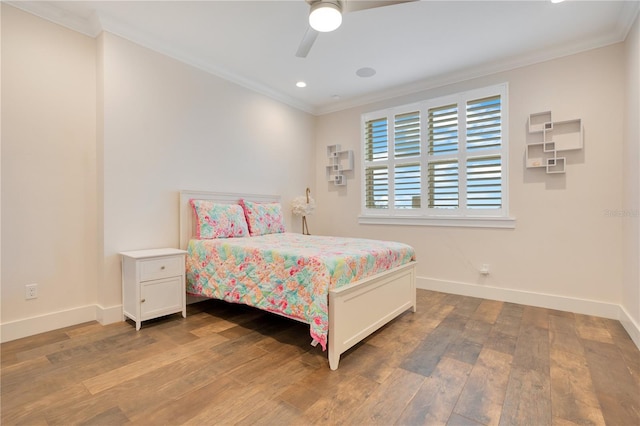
(443,176)
(407,186)
(484,174)
(437,159)
(443,129)
(407,135)
(484,124)
(484,183)
(406,140)
(377,176)
(376,140)
(377,187)
(444,188)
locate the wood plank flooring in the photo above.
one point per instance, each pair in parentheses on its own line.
(456,361)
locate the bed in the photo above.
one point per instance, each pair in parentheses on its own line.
(336,285)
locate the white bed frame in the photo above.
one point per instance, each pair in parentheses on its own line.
(355,310)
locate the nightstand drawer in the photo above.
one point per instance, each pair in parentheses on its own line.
(161,268)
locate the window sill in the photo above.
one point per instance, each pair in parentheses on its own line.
(464,222)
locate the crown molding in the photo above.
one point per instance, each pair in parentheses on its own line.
(478,71)
(93,25)
(115,27)
(90,26)
(628,15)
(96,24)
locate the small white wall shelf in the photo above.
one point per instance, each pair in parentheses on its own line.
(339,162)
(557,137)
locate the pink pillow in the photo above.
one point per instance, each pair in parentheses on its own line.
(263,218)
(219,220)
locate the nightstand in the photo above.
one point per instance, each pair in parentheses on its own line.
(153,283)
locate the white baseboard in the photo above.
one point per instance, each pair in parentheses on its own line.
(631,326)
(30,326)
(35,325)
(109,315)
(549,301)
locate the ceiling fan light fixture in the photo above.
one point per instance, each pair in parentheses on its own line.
(325,16)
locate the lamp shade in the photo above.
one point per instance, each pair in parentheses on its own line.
(325,16)
(300,206)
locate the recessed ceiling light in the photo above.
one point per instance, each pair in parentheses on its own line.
(557,1)
(301,84)
(366,72)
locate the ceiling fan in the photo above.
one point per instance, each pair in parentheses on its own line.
(326,15)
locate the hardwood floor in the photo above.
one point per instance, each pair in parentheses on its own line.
(457,361)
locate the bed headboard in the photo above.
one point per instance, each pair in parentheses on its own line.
(187,219)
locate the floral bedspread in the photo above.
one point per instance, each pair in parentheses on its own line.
(288,273)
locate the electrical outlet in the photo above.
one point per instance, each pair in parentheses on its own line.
(31,291)
(484,269)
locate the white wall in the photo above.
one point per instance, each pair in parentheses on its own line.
(99,135)
(631,200)
(565,252)
(169,126)
(98,138)
(48,172)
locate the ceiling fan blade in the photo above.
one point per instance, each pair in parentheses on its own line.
(356,5)
(307,41)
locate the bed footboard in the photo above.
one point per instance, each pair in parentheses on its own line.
(357,310)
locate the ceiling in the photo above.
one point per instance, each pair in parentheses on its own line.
(411,46)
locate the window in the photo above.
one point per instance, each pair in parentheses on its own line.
(441,161)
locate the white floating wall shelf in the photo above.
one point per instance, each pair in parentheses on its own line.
(557,137)
(339,162)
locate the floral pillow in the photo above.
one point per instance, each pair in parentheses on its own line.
(263,218)
(219,220)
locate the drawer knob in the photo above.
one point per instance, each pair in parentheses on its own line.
(162,267)
(143,300)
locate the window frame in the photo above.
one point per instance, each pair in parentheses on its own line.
(462,215)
